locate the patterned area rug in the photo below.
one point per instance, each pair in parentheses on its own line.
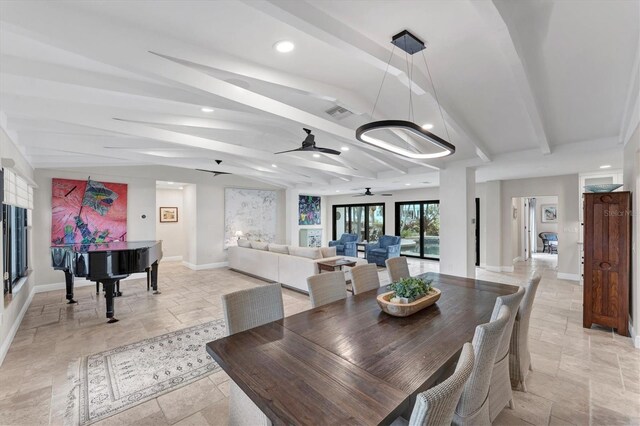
(110,382)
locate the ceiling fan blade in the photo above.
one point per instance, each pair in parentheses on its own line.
(328,151)
(386,195)
(291,150)
(359,195)
(215,172)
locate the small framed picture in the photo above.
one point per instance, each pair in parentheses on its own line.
(168,214)
(549,213)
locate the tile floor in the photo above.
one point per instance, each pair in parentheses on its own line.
(580,376)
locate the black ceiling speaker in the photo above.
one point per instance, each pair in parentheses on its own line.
(218,161)
(309,144)
(368,193)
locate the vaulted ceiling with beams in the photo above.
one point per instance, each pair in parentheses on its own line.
(526,88)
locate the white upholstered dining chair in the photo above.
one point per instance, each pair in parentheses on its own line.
(473,407)
(364,278)
(398,268)
(243,310)
(500,394)
(519,355)
(435,407)
(326,288)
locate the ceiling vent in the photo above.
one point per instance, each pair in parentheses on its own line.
(338,112)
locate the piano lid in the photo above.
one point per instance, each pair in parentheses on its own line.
(111,246)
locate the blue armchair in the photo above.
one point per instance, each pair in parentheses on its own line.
(388,246)
(346,245)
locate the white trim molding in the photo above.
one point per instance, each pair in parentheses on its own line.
(194,267)
(498,268)
(14,328)
(171,259)
(570,277)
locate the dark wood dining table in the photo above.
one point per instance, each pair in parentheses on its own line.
(350,363)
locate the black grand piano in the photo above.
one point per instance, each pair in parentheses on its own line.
(107,263)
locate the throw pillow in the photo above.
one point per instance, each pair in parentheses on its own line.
(308,252)
(259,245)
(279,248)
(329,251)
(244,243)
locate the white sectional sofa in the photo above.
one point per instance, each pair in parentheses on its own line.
(291,270)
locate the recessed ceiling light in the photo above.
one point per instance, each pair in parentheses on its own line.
(316,155)
(274,165)
(181,188)
(337,190)
(170,183)
(206,109)
(345,148)
(284,46)
(408,184)
(427,126)
(605,166)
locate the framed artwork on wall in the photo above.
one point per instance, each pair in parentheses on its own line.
(168,214)
(309,210)
(549,213)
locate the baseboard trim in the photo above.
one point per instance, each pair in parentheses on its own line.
(492,268)
(570,277)
(205,265)
(518,259)
(171,259)
(14,328)
(80,283)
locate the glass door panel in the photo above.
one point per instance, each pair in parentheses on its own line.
(341,219)
(376,223)
(357,222)
(409,227)
(431,230)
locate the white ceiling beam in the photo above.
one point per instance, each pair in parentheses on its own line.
(511,48)
(96,117)
(134,56)
(305,17)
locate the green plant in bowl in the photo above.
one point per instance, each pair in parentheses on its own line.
(407,290)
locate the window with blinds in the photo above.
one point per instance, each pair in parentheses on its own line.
(17,191)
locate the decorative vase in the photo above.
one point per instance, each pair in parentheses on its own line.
(405,309)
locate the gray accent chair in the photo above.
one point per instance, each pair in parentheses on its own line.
(387,247)
(398,268)
(243,310)
(500,394)
(473,407)
(364,278)
(519,355)
(346,245)
(326,288)
(435,407)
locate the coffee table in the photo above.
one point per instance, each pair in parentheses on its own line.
(335,265)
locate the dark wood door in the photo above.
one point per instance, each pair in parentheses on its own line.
(607,244)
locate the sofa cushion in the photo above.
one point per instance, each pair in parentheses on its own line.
(258,245)
(308,252)
(329,251)
(279,248)
(244,243)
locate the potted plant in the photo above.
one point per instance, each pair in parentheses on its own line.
(410,289)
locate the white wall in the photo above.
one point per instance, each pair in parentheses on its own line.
(631,178)
(172,234)
(565,188)
(12,310)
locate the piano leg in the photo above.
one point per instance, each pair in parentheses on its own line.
(68,278)
(117,293)
(109,288)
(97,287)
(148,271)
(154,277)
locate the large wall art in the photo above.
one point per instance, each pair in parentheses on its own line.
(87,211)
(251,213)
(309,211)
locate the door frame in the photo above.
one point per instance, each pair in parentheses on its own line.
(366,217)
(397,225)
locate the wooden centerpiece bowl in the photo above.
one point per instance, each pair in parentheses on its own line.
(406,309)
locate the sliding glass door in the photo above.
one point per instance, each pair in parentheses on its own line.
(365,220)
(418,224)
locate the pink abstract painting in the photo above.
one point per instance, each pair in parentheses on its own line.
(87,211)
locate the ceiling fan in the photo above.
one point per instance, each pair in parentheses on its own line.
(368,193)
(309,144)
(215,172)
